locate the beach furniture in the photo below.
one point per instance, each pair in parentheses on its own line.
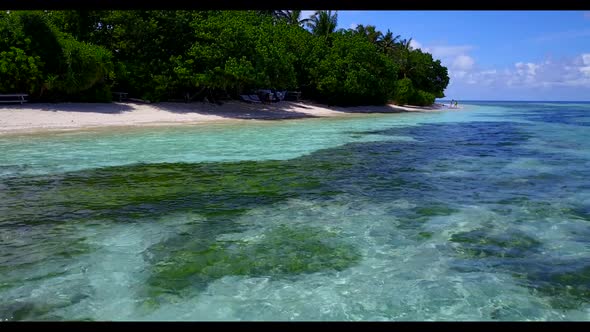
(255,98)
(14,98)
(281,95)
(265,95)
(250,99)
(120,95)
(293,95)
(245,98)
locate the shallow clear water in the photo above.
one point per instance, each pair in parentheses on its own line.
(482,214)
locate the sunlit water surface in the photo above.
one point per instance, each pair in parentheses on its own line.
(479,214)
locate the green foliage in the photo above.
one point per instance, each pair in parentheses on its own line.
(99,93)
(421,98)
(292,17)
(404,90)
(426,74)
(234,51)
(45,62)
(29,50)
(354,73)
(162,54)
(323,23)
(370,32)
(41,38)
(19,72)
(83,66)
(309,51)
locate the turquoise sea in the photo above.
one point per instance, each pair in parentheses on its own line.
(477,214)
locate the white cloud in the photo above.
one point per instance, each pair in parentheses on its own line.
(457,73)
(415,45)
(571,72)
(528,68)
(546,74)
(444,51)
(454,57)
(561,35)
(353,25)
(525,72)
(585,68)
(567,72)
(463,62)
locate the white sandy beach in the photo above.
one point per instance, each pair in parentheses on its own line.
(28,118)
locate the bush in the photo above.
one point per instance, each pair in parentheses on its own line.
(19,72)
(422,98)
(158,55)
(354,73)
(48,63)
(404,90)
(83,66)
(100,93)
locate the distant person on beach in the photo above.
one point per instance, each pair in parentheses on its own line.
(456,104)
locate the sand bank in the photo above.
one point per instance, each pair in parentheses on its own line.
(74,116)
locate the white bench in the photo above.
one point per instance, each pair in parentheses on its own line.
(14,98)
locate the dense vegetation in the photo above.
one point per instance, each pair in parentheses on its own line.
(161,55)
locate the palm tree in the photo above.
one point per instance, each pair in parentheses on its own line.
(388,42)
(291,17)
(323,22)
(370,32)
(404,56)
(273,13)
(406,45)
(361,30)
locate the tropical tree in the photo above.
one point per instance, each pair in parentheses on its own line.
(355,73)
(388,42)
(292,17)
(406,44)
(269,12)
(323,23)
(19,71)
(370,32)
(403,57)
(231,53)
(426,74)
(79,55)
(36,57)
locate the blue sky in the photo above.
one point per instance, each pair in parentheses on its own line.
(497,55)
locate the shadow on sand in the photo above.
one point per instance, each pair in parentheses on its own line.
(103,108)
(239,110)
(230,109)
